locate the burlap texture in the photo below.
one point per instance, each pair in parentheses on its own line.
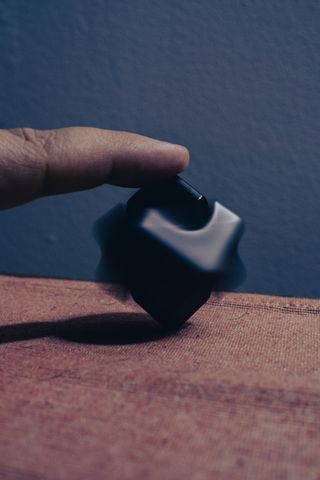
(91,389)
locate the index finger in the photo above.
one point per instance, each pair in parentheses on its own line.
(35,163)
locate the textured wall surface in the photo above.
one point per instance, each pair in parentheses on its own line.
(237,82)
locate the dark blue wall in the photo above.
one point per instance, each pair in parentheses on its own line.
(238,82)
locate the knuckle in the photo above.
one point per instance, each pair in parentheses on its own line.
(36,142)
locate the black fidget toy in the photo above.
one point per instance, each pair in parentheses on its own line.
(172,248)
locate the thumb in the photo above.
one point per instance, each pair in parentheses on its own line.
(34,163)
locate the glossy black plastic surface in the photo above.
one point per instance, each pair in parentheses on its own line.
(176,248)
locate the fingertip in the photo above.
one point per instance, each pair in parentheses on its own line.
(184,158)
(179,157)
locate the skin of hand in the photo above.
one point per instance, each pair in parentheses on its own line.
(35,163)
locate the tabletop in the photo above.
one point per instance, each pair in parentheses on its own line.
(92,388)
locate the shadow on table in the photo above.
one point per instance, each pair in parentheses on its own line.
(104,329)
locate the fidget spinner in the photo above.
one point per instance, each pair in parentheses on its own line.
(171,247)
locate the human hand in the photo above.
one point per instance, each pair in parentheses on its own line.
(35,163)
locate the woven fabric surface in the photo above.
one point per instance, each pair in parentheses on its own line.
(91,388)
